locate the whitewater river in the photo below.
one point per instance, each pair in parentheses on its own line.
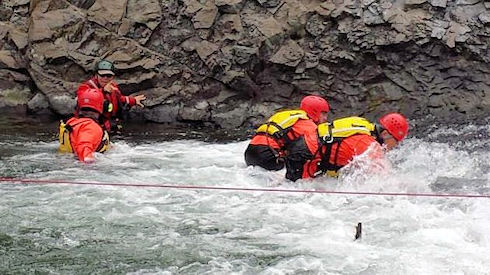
(87,229)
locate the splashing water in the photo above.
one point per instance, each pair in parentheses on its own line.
(63,228)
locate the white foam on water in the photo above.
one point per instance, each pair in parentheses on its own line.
(230,232)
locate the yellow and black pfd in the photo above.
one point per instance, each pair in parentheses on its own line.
(280,123)
(65,130)
(335,133)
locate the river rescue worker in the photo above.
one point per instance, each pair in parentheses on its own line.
(82,134)
(348,137)
(115,101)
(268,146)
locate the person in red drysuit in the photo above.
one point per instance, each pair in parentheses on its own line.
(103,82)
(390,131)
(269,150)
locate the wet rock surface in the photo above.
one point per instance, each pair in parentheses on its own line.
(228,64)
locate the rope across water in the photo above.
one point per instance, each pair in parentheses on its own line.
(6,180)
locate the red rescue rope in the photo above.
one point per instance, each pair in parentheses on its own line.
(38,181)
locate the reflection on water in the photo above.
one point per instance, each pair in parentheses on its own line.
(108,229)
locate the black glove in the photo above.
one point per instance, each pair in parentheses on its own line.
(298,154)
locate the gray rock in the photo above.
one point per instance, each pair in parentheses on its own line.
(107,13)
(38,103)
(205,48)
(269,27)
(195,112)
(63,104)
(14,3)
(370,73)
(146,12)
(245,86)
(7,60)
(484,17)
(438,32)
(311,60)
(167,113)
(269,3)
(9,79)
(83,4)
(467,2)
(315,25)
(228,118)
(403,79)
(392,91)
(456,33)
(140,20)
(46,24)
(205,17)
(19,38)
(345,88)
(228,27)
(415,2)
(325,8)
(372,18)
(229,6)
(243,54)
(439,3)
(15,96)
(290,54)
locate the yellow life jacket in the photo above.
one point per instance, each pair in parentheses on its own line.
(335,132)
(279,124)
(64,139)
(105,143)
(345,127)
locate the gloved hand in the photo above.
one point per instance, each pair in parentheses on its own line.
(298,154)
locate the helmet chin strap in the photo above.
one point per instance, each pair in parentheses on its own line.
(378,129)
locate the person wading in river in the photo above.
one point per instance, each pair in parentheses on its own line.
(82,134)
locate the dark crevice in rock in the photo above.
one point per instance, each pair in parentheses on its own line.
(83,4)
(127,89)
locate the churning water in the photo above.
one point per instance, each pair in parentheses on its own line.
(63,228)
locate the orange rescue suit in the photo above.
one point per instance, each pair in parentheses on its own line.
(300,128)
(349,148)
(271,151)
(85,138)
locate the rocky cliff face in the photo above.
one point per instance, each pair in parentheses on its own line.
(230,63)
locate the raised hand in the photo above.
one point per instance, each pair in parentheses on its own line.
(138,99)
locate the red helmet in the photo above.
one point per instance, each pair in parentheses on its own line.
(314,105)
(396,124)
(92,99)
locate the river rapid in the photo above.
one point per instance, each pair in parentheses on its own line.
(90,229)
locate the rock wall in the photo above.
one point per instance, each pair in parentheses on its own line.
(230,63)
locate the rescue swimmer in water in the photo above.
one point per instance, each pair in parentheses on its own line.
(269,146)
(345,138)
(309,146)
(82,134)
